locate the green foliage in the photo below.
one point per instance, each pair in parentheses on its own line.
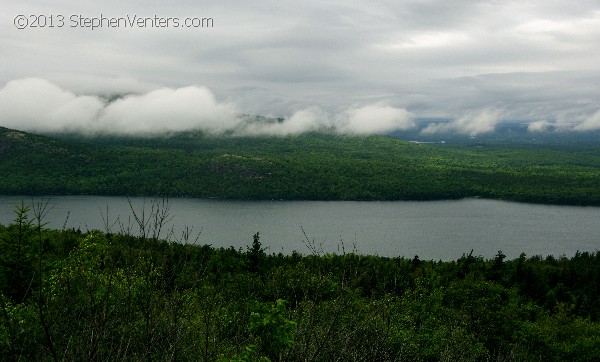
(273,331)
(560,336)
(318,166)
(249,354)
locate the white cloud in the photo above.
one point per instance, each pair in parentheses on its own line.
(373,118)
(306,120)
(474,122)
(539,126)
(377,118)
(590,123)
(36,104)
(168,109)
(426,40)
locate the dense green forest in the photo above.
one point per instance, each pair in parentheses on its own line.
(316,166)
(97,296)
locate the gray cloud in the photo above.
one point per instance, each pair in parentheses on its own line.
(536,60)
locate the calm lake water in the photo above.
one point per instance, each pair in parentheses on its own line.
(432,230)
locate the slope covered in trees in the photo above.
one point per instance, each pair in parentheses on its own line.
(317,166)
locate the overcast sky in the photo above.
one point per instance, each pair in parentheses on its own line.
(360,66)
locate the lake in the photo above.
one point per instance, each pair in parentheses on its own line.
(432,230)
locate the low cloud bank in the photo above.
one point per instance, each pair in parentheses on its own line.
(472,123)
(168,109)
(591,123)
(375,118)
(539,126)
(35,104)
(577,123)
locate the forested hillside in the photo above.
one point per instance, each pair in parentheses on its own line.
(316,166)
